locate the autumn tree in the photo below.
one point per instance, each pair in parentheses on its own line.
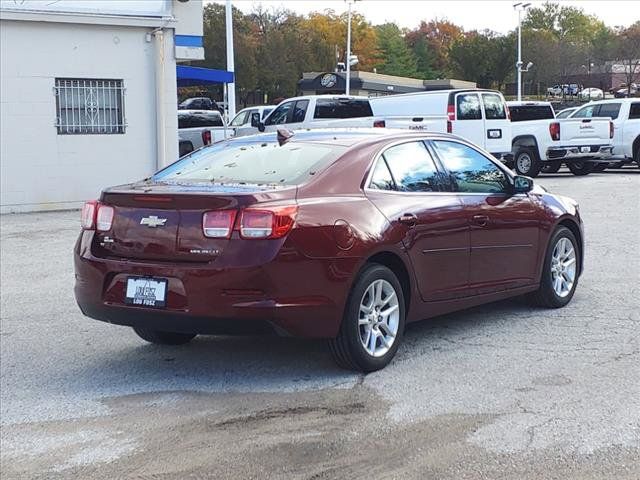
(434,39)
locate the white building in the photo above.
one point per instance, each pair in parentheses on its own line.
(88,95)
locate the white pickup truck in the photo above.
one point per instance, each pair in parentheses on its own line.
(197,128)
(625,114)
(329,111)
(542,143)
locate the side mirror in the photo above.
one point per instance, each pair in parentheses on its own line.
(522,184)
(256,122)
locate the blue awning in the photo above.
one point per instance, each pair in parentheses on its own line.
(190,76)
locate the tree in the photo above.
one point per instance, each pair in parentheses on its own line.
(395,56)
(438,36)
(629,53)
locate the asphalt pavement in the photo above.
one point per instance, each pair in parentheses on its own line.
(502,391)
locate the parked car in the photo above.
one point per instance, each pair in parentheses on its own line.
(330,111)
(542,142)
(243,117)
(197,128)
(478,115)
(591,94)
(625,116)
(563,90)
(344,235)
(624,91)
(566,112)
(199,103)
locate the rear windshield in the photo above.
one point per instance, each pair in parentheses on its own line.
(199,119)
(522,113)
(342,108)
(259,163)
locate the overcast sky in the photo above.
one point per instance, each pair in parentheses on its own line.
(497,15)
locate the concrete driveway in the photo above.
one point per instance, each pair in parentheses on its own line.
(502,391)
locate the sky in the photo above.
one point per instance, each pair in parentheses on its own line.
(496,15)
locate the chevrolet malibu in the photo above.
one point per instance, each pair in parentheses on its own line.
(342,235)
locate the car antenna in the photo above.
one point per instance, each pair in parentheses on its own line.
(284,134)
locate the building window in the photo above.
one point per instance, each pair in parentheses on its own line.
(89,106)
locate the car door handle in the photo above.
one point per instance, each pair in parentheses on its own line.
(408,219)
(480,220)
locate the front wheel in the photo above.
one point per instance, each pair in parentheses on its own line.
(527,162)
(163,338)
(580,168)
(560,271)
(373,322)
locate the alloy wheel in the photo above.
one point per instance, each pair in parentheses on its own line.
(563,267)
(378,318)
(524,162)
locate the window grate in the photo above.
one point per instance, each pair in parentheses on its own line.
(89,106)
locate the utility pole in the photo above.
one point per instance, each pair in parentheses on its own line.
(231,88)
(520,7)
(347,60)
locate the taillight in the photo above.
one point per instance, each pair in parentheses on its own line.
(611,129)
(218,223)
(506,109)
(449,126)
(104,218)
(273,222)
(554,130)
(380,124)
(206,137)
(451,112)
(88,215)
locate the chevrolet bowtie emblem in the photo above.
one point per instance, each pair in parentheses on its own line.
(153,221)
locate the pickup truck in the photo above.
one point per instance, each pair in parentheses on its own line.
(541,142)
(625,115)
(197,128)
(328,111)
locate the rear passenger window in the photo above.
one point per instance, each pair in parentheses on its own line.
(412,168)
(468,107)
(472,171)
(634,111)
(381,178)
(610,110)
(494,107)
(342,108)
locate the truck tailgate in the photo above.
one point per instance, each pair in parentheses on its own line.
(585,131)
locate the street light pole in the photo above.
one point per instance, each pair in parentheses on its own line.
(231,88)
(348,59)
(520,7)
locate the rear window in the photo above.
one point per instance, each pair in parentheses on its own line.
(634,111)
(259,163)
(342,108)
(199,119)
(523,113)
(468,107)
(494,107)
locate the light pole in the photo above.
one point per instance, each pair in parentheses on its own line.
(520,7)
(231,88)
(348,59)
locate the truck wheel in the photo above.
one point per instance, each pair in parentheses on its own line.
(581,168)
(527,162)
(551,167)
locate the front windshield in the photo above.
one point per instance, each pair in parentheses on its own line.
(256,163)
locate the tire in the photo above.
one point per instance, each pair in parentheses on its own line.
(551,167)
(600,167)
(580,168)
(527,162)
(163,338)
(548,294)
(348,349)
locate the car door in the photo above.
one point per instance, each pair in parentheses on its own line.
(630,128)
(497,127)
(503,227)
(469,123)
(416,198)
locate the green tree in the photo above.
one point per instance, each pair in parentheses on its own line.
(395,56)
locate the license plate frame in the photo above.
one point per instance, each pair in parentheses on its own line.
(148,292)
(585,149)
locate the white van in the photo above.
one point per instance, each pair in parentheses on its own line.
(480,116)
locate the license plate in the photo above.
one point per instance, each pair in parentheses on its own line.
(146,292)
(585,149)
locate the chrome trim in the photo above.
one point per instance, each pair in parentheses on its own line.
(439,250)
(490,247)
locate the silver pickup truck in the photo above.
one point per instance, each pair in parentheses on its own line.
(197,128)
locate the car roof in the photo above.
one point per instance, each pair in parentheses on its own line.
(346,137)
(612,100)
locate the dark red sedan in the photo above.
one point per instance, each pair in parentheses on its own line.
(344,235)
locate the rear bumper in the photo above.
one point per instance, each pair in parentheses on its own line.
(575,152)
(291,295)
